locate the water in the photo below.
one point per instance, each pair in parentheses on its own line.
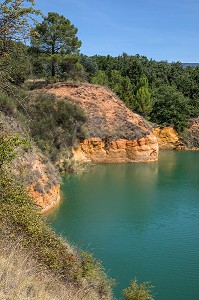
(140,219)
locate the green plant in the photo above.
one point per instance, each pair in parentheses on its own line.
(136,291)
(55,124)
(55,37)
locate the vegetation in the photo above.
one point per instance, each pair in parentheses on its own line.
(167,94)
(19,218)
(141,83)
(55,38)
(55,124)
(138,291)
(23,278)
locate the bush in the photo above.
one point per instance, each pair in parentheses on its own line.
(138,291)
(55,124)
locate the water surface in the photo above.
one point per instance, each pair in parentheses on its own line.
(140,220)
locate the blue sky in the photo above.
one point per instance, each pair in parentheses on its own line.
(161,30)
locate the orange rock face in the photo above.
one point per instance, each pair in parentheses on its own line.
(114,134)
(48,200)
(40,178)
(95,150)
(168,138)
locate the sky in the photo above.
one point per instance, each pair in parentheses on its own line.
(158,29)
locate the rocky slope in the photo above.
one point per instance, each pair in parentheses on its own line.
(37,174)
(168,139)
(191,136)
(114,134)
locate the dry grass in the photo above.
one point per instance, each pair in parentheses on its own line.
(22,278)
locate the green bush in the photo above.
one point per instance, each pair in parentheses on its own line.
(54,124)
(138,291)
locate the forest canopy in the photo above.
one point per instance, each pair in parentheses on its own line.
(162,92)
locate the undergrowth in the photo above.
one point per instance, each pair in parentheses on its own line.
(20,218)
(23,278)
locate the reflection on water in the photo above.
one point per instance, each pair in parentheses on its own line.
(140,220)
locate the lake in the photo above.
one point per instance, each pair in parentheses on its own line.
(141,220)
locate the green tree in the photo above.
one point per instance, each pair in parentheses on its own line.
(115,81)
(171,107)
(90,66)
(101,78)
(55,36)
(126,91)
(16,20)
(70,68)
(16,17)
(143,98)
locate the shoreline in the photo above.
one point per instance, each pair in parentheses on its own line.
(53,205)
(57,201)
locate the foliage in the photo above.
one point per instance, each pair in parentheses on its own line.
(15,67)
(170,108)
(101,78)
(115,81)
(19,218)
(143,98)
(15,17)
(55,36)
(90,66)
(126,91)
(143,94)
(70,68)
(23,278)
(138,291)
(55,124)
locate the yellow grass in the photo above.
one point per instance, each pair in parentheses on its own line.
(22,278)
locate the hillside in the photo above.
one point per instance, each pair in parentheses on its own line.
(113,133)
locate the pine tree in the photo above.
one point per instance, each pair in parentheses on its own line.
(55,37)
(143,99)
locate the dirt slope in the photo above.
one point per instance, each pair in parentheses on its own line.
(113,132)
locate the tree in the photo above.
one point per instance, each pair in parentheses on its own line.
(15,25)
(90,66)
(115,81)
(143,98)
(171,107)
(16,20)
(55,36)
(101,78)
(126,91)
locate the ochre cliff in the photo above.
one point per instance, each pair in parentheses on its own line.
(168,138)
(97,150)
(48,200)
(40,178)
(114,134)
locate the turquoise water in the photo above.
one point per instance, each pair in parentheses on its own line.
(140,220)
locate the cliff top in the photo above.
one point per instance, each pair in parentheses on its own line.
(107,116)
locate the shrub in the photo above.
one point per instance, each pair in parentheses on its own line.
(138,291)
(54,124)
